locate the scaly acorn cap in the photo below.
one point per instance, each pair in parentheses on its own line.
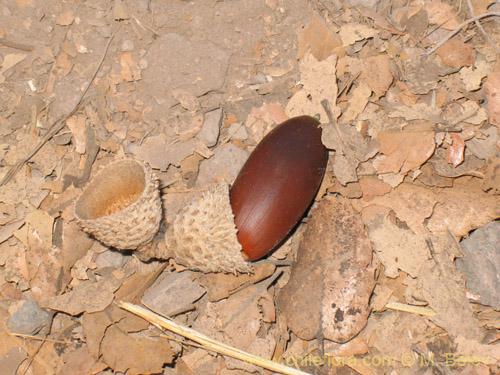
(121,205)
(202,236)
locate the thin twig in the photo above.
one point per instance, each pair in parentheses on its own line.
(458,28)
(58,124)
(481,29)
(207,342)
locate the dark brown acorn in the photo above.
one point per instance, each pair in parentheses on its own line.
(223,229)
(277,184)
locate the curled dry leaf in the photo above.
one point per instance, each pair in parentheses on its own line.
(332,281)
(404,152)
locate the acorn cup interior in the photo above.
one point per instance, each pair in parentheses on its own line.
(112,191)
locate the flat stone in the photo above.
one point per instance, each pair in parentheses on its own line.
(481,264)
(209,133)
(227,158)
(29,319)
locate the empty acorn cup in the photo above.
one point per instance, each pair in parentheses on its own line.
(121,205)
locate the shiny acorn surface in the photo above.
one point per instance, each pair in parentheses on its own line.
(277,184)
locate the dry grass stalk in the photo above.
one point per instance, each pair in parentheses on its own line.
(207,342)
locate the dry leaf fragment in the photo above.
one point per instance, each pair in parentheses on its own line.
(397,247)
(455,153)
(443,288)
(78,126)
(372,186)
(492,87)
(130,70)
(440,12)
(317,37)
(319,82)
(377,74)
(135,354)
(87,297)
(404,151)
(81,362)
(160,153)
(357,103)
(472,76)
(457,54)
(332,281)
(354,32)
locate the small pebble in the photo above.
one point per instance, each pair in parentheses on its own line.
(128,46)
(209,133)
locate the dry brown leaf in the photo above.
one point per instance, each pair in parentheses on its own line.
(472,76)
(237,321)
(440,12)
(419,111)
(372,186)
(130,70)
(77,125)
(492,87)
(46,274)
(317,37)
(481,6)
(460,209)
(377,74)
(464,208)
(89,296)
(80,362)
(357,103)
(455,153)
(397,247)
(135,354)
(457,54)
(354,32)
(404,151)
(443,287)
(319,82)
(406,96)
(332,281)
(160,153)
